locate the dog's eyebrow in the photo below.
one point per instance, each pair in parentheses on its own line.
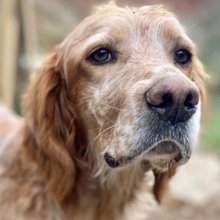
(95,40)
(185,43)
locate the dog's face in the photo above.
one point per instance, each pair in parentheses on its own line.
(135,83)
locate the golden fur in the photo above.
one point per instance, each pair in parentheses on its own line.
(52,162)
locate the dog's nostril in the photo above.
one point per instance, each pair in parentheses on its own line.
(191,101)
(188,104)
(165,103)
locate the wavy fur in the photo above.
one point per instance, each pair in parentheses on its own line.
(52,162)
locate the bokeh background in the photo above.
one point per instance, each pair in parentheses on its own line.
(29,30)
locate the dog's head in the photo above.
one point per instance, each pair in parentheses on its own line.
(137,85)
(125,84)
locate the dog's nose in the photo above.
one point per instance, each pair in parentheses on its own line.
(174,99)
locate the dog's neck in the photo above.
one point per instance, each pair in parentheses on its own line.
(112,190)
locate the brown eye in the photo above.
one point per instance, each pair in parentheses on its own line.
(183,57)
(101,56)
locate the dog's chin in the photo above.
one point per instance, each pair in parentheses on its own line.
(163,154)
(159,156)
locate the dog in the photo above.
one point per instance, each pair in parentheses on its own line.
(118,100)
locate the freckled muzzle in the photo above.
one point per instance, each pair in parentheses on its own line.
(165,128)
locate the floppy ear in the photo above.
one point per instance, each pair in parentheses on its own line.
(198,76)
(49,133)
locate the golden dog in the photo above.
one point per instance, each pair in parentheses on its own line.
(119,98)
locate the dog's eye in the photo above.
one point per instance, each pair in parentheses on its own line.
(182,57)
(101,56)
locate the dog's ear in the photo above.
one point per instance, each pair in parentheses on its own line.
(198,76)
(161,182)
(49,133)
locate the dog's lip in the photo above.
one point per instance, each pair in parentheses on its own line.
(167,149)
(170,150)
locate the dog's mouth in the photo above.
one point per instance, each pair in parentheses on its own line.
(165,148)
(159,155)
(165,152)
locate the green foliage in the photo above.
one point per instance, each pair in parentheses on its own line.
(211,128)
(212,133)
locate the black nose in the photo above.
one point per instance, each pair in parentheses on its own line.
(173,99)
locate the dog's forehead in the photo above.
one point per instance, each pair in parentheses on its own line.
(136,27)
(134,18)
(119,23)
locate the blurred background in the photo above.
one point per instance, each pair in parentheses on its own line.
(29,30)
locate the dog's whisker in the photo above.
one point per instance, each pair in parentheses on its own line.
(113,107)
(93,141)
